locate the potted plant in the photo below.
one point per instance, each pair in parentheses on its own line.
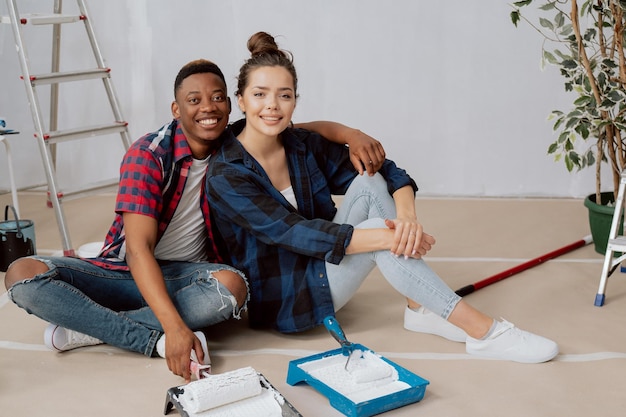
(585,40)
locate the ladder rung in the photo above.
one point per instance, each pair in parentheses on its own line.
(55,18)
(616,260)
(84,132)
(55,77)
(618,244)
(45,19)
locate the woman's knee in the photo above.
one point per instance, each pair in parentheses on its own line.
(22,269)
(235,284)
(376,181)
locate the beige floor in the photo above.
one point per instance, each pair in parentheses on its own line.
(476,239)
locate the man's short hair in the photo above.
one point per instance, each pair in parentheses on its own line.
(199,66)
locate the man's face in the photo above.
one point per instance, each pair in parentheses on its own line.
(202,109)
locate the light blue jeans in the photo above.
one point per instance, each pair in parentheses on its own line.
(107,304)
(366,205)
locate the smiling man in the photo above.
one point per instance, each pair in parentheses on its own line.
(201,106)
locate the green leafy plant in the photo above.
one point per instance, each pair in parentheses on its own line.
(585,40)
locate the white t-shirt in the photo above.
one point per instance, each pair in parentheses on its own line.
(290,196)
(185,238)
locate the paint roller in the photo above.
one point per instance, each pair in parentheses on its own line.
(217,390)
(366,365)
(369,367)
(242,392)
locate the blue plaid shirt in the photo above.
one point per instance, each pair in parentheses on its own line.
(283,250)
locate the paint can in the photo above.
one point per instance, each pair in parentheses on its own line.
(17,238)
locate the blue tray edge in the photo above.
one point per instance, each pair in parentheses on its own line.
(369,408)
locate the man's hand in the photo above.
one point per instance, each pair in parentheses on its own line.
(366,153)
(178,347)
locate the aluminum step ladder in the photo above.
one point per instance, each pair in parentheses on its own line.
(47,138)
(616,245)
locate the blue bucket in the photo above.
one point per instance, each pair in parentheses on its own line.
(17,239)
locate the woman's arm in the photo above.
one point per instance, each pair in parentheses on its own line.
(405,235)
(366,153)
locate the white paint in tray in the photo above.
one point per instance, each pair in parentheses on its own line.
(367,377)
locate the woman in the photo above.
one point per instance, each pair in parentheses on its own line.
(270,188)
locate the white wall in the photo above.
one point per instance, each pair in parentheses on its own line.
(453,90)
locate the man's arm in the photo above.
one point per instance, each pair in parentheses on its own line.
(141,232)
(366,153)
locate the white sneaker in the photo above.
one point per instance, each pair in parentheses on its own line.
(61,339)
(424,321)
(160,348)
(510,343)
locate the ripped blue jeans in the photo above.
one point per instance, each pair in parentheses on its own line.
(107,304)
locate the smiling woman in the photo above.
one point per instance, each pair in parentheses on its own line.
(269,102)
(268,108)
(271,190)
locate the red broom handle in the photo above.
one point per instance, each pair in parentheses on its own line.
(468,289)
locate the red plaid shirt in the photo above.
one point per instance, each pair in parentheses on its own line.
(152,179)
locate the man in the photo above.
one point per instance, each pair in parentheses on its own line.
(160,274)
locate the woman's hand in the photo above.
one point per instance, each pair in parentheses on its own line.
(409,240)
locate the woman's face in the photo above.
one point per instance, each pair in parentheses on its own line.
(268,100)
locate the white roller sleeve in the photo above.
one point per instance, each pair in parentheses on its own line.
(220,389)
(369,367)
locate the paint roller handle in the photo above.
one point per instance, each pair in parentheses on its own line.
(334,328)
(468,289)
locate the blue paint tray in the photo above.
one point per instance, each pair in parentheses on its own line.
(413,393)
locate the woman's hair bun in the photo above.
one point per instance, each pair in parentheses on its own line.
(262,43)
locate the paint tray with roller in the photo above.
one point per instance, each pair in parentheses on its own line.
(357,381)
(242,392)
